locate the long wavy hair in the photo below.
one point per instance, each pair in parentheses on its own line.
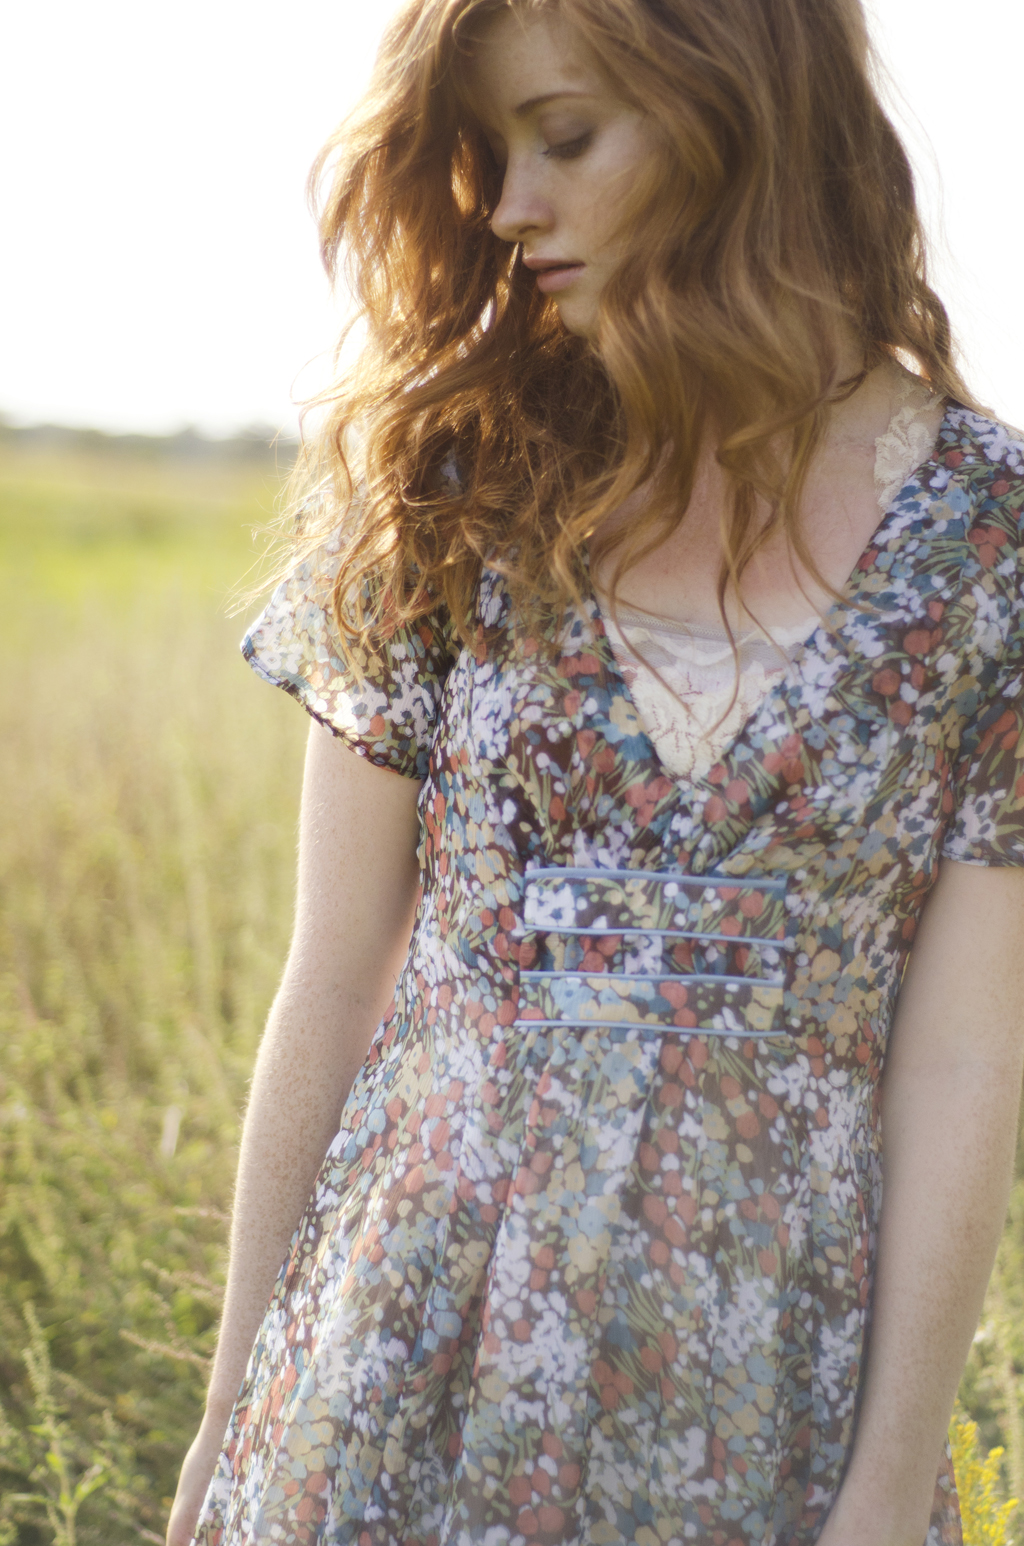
(777,213)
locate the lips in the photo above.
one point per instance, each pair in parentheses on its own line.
(554,273)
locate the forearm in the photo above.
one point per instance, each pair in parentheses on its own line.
(950,1094)
(311,1050)
(357,888)
(948,1141)
(354,914)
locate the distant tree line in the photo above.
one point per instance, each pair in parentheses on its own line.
(256,443)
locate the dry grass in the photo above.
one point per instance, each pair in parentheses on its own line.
(146,858)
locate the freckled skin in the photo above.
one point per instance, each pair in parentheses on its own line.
(356,892)
(568,162)
(953,1070)
(683,1146)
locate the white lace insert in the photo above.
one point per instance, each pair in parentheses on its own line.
(686,700)
(909,440)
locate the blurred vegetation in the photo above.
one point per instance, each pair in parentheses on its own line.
(146,854)
(987,1517)
(146,857)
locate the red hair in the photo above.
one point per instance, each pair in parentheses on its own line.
(778,213)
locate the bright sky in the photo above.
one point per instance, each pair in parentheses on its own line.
(159,266)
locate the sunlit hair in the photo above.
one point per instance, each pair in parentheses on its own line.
(778,209)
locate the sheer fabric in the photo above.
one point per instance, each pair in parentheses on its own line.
(590,1257)
(683,678)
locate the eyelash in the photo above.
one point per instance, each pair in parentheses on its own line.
(570,149)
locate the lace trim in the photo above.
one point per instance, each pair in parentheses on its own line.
(906,443)
(682,707)
(685,701)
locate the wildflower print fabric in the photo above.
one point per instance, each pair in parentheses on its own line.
(590,1257)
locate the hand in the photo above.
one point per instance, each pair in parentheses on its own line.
(196,1471)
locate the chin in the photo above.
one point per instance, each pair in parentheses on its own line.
(577,315)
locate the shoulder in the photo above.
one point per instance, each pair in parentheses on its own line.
(984,457)
(959,520)
(383,697)
(979,481)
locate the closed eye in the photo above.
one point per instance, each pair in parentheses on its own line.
(568,150)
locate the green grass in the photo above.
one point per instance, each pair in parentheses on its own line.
(146,858)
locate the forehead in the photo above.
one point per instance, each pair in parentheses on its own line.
(516,62)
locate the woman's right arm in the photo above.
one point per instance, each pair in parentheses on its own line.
(355,903)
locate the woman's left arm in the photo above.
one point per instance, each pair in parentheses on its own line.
(950,1097)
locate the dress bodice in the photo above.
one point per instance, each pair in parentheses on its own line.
(693,686)
(591,1255)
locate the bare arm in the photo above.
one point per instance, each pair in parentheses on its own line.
(950,1097)
(356,895)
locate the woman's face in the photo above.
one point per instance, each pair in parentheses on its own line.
(570,152)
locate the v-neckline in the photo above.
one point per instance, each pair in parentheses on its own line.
(831,621)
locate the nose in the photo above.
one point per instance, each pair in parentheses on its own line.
(522,209)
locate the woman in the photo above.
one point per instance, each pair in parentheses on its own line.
(677,628)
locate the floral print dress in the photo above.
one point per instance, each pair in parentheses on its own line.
(590,1257)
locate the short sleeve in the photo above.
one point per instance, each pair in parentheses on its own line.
(385,705)
(987,826)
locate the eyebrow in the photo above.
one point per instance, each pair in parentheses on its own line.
(550,96)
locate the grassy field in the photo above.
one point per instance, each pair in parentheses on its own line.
(146,854)
(146,857)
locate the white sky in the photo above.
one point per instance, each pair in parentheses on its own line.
(158,265)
